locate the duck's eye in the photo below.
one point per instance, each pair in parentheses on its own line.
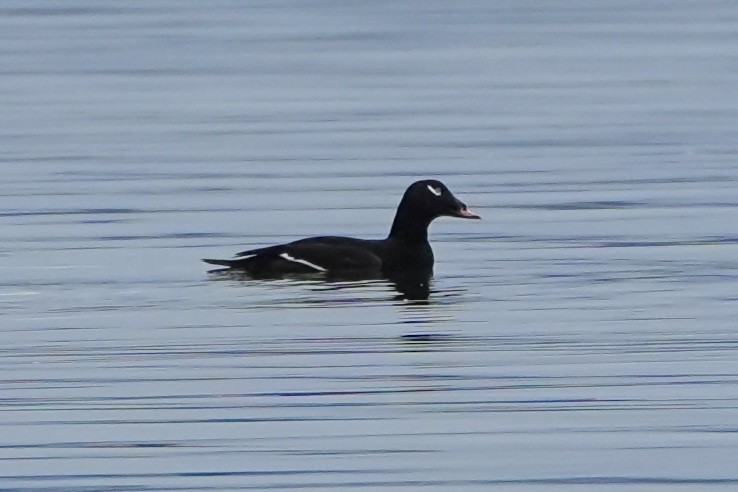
(434,190)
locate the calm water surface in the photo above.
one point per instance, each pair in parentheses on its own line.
(583,336)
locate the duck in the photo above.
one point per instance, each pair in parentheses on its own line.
(406,248)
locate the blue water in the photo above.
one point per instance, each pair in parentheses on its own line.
(582,336)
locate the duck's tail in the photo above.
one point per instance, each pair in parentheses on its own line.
(225,263)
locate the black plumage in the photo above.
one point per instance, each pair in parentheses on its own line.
(405,248)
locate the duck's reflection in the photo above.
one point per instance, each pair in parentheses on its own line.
(411,285)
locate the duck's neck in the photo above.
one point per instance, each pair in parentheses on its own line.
(409,227)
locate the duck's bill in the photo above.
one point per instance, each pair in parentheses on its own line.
(465,213)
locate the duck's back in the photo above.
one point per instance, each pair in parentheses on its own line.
(311,255)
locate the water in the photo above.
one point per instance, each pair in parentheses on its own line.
(582,336)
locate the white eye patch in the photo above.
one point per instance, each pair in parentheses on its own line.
(435,191)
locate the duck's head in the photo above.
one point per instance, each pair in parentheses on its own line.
(434,199)
(423,202)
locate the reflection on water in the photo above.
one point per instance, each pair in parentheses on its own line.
(583,335)
(410,285)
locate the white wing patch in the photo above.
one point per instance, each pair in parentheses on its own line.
(287,257)
(435,191)
(245,257)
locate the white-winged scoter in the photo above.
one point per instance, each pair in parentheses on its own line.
(406,247)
